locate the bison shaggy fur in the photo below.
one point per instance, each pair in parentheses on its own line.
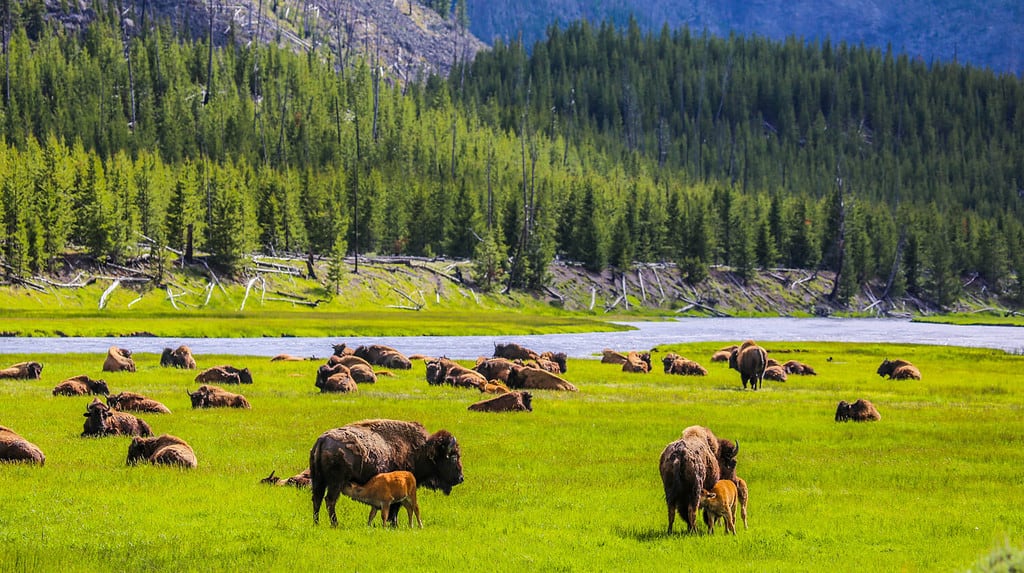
(494,368)
(859,411)
(609,356)
(132,402)
(723,354)
(102,421)
(511,402)
(180,357)
(525,377)
(225,375)
(358,451)
(675,364)
(162,450)
(335,379)
(637,362)
(207,396)
(798,368)
(14,448)
(691,464)
(514,351)
(750,360)
(898,370)
(22,371)
(775,372)
(80,386)
(118,360)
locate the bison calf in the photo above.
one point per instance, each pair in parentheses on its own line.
(299,480)
(720,502)
(383,490)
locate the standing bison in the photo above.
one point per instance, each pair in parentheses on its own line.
(361,450)
(22,371)
(14,448)
(750,360)
(693,463)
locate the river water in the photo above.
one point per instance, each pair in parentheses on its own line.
(645,336)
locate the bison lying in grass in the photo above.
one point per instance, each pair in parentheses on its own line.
(215,397)
(162,450)
(80,386)
(102,421)
(859,411)
(898,370)
(637,362)
(132,402)
(675,364)
(525,377)
(22,371)
(511,402)
(335,379)
(14,448)
(118,360)
(225,375)
(299,480)
(799,368)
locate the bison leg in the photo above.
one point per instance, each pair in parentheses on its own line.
(392,514)
(333,491)
(691,518)
(671,515)
(318,497)
(373,513)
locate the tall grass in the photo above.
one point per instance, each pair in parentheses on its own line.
(572,486)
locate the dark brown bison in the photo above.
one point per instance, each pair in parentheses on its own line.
(214,397)
(525,377)
(514,351)
(335,379)
(380,355)
(162,450)
(511,402)
(859,411)
(361,450)
(80,386)
(694,462)
(723,354)
(343,350)
(132,402)
(675,364)
(445,371)
(118,360)
(638,362)
(898,370)
(559,358)
(798,368)
(180,357)
(225,375)
(14,448)
(102,421)
(22,371)
(300,479)
(494,368)
(749,360)
(609,356)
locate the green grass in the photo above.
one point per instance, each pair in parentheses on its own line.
(980,319)
(936,485)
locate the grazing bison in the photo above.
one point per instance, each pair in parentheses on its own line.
(720,501)
(750,360)
(225,375)
(299,480)
(132,402)
(335,379)
(859,411)
(799,368)
(514,351)
(675,364)
(180,357)
(80,386)
(382,491)
(898,370)
(524,377)
(609,356)
(361,450)
(695,461)
(102,421)
(639,362)
(511,402)
(22,371)
(214,397)
(723,354)
(165,450)
(14,448)
(118,360)
(775,372)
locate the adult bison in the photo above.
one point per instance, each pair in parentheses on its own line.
(694,462)
(526,377)
(898,370)
(335,379)
(180,357)
(750,360)
(380,355)
(638,362)
(511,402)
(102,421)
(81,385)
(207,396)
(14,448)
(162,450)
(675,364)
(132,402)
(361,450)
(118,360)
(859,411)
(494,368)
(225,375)
(22,371)
(514,351)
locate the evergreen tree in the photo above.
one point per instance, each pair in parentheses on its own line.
(336,264)
(489,261)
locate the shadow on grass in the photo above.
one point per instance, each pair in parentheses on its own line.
(646,535)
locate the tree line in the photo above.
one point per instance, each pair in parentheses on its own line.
(120,144)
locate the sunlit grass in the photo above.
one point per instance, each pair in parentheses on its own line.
(573,486)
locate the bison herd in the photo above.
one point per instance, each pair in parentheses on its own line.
(381,462)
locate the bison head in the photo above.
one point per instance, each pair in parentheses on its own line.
(435,372)
(244,376)
(886,367)
(727,452)
(440,462)
(339,349)
(99,387)
(167,358)
(136,451)
(198,397)
(527,399)
(843,411)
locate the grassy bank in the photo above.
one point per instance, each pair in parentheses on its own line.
(572,486)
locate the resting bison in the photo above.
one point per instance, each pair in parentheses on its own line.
(511,402)
(675,364)
(118,360)
(14,448)
(132,402)
(289,358)
(609,356)
(380,355)
(335,379)
(180,357)
(559,358)
(162,450)
(723,354)
(639,362)
(22,371)
(859,411)
(494,368)
(361,450)
(102,421)
(513,351)
(81,385)
(749,360)
(898,370)
(775,372)
(445,371)
(799,368)
(694,462)
(214,397)
(343,350)
(494,387)
(225,375)
(300,479)
(525,377)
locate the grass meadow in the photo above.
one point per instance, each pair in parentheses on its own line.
(936,485)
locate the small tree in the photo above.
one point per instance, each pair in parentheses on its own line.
(490,261)
(336,266)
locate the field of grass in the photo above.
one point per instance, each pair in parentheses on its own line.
(981,318)
(936,485)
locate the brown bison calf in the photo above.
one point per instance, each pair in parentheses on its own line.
(80,386)
(225,375)
(299,480)
(118,360)
(163,450)
(14,448)
(859,411)
(132,402)
(898,370)
(102,421)
(511,402)
(215,397)
(22,371)
(383,490)
(720,502)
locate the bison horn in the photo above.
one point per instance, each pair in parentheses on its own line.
(737,451)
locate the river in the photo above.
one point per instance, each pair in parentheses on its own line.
(645,336)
